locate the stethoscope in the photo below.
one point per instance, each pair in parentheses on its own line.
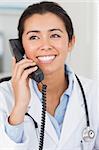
(87,133)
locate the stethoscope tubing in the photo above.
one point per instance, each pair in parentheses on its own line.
(85,102)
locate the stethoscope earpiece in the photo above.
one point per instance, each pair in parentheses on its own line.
(88,134)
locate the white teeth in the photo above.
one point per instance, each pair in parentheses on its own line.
(46,58)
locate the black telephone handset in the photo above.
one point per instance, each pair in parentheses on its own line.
(18,52)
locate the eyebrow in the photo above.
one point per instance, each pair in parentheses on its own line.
(56,30)
(50,30)
(35,31)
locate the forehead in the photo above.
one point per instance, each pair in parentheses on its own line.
(41,21)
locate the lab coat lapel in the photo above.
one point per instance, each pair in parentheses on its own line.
(35,109)
(74,113)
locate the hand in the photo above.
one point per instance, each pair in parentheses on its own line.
(21,90)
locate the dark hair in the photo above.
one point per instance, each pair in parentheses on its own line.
(44,7)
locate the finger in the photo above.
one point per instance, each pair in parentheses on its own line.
(24,61)
(23,67)
(20,66)
(27,72)
(13,63)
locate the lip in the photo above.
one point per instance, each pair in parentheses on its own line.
(46,58)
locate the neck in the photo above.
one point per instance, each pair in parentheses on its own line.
(56,83)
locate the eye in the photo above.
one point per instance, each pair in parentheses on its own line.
(34,37)
(55,36)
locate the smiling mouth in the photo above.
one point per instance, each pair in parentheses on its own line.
(46,59)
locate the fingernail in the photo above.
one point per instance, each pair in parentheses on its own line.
(34,63)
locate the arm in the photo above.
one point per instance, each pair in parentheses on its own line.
(97,142)
(97,136)
(21,89)
(5,141)
(20,83)
(14,132)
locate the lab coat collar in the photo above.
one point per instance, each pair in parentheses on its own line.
(35,110)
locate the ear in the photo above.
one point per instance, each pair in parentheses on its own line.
(71,44)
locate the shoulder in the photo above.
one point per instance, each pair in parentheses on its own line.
(5,85)
(90,88)
(6,96)
(89,84)
(6,88)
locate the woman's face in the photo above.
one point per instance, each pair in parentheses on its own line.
(46,42)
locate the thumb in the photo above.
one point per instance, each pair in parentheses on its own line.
(13,62)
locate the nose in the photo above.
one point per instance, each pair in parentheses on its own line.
(46,44)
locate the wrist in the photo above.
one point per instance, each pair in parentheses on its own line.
(17,116)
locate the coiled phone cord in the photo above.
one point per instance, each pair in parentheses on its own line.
(43,115)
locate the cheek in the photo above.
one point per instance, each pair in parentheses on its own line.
(63,48)
(29,51)
(29,54)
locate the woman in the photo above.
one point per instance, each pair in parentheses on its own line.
(46,34)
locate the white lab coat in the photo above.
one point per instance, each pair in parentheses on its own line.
(73,125)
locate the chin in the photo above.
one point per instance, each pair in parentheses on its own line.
(49,70)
